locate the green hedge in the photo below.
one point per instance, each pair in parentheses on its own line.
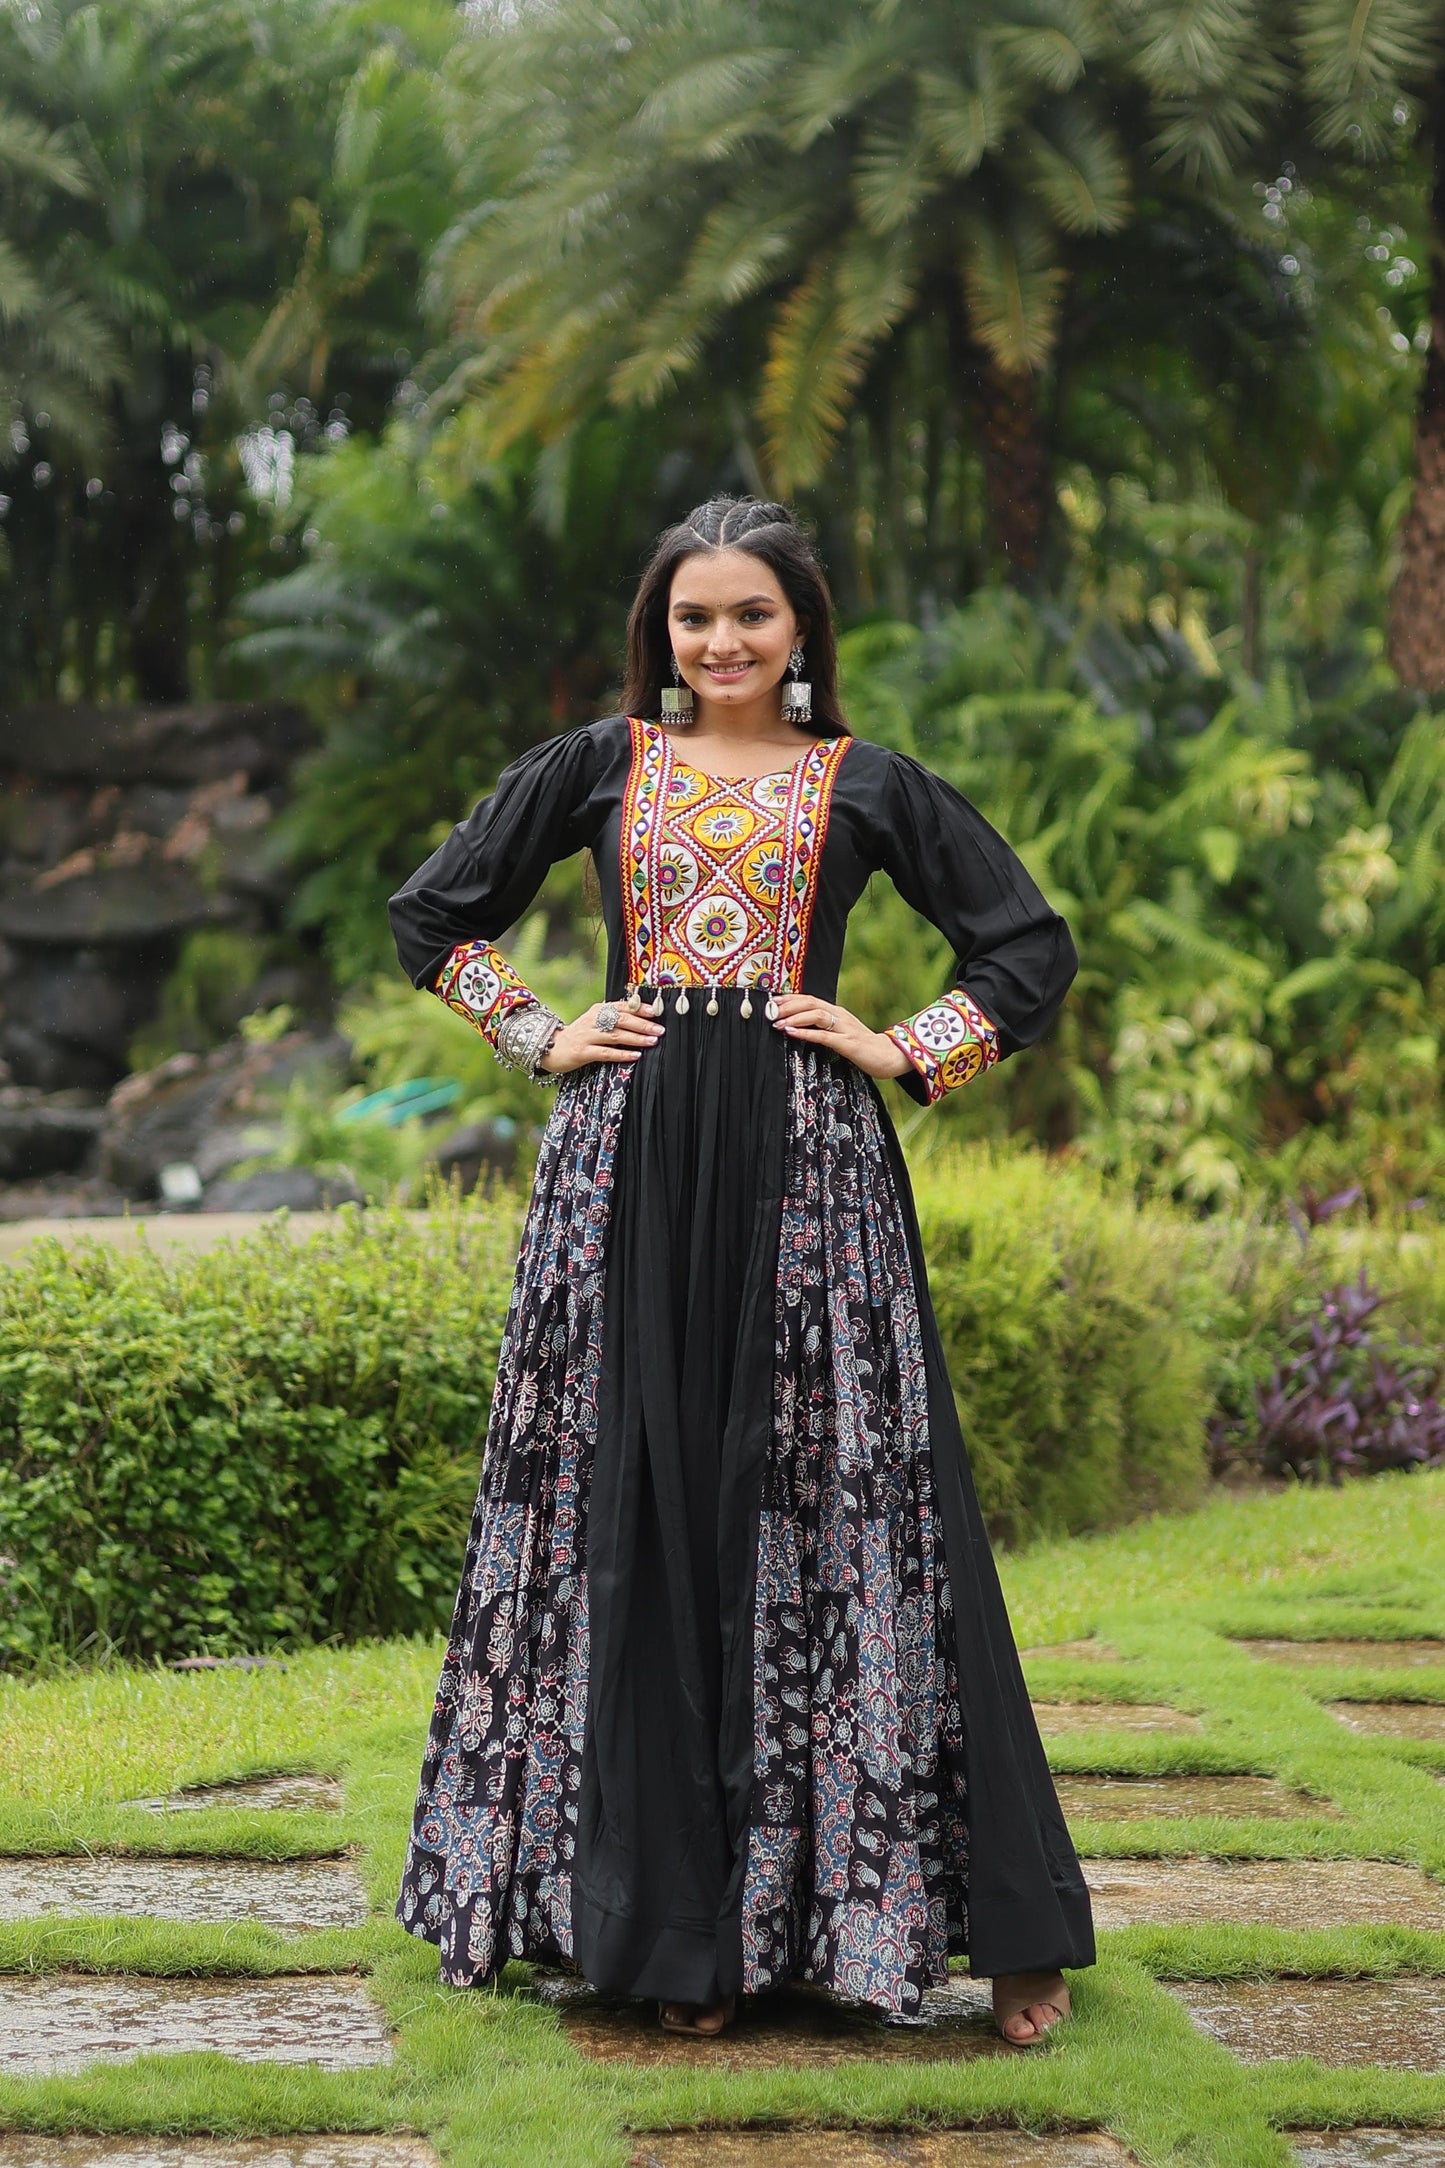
(277,1441)
(270,1442)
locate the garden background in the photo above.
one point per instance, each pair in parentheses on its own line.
(350,354)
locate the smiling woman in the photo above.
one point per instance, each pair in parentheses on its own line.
(731,1694)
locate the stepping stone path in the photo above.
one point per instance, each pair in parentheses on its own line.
(1393,1719)
(1369,2148)
(1368,1655)
(301,1893)
(345,2151)
(883,2149)
(61,2021)
(1128,1799)
(1343,2023)
(1058,1718)
(796,2028)
(271,1795)
(1302,1893)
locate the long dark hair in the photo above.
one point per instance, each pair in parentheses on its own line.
(768,532)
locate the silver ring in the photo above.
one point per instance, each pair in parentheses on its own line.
(830,1021)
(607,1016)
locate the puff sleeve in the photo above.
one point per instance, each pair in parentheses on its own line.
(447,917)
(1014,959)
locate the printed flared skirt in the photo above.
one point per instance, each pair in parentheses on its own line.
(730,1694)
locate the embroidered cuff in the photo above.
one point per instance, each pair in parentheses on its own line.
(948,1042)
(477,981)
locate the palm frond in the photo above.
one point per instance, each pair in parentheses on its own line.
(34,153)
(966,115)
(1359,56)
(1077,169)
(894,175)
(1013,283)
(822,340)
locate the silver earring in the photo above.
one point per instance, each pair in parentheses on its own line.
(676,697)
(797,695)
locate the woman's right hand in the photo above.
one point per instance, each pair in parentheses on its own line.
(581,1042)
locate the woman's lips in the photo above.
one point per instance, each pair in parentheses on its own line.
(727,670)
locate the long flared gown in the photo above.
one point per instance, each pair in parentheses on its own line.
(730,1693)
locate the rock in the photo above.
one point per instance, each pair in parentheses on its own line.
(168,1114)
(276,1189)
(50,1065)
(118,743)
(477,1147)
(56,1198)
(88,999)
(125,904)
(40,1136)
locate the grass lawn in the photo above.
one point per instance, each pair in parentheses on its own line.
(493,2077)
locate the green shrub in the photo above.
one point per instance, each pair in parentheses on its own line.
(271,1442)
(1081,1374)
(277,1442)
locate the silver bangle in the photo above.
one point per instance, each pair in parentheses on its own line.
(524,1036)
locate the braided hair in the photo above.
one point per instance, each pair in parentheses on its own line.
(768,532)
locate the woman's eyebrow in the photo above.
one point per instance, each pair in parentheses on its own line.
(748,602)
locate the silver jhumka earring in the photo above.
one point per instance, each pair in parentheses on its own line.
(676,697)
(797,695)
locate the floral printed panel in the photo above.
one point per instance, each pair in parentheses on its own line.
(478,983)
(489,1868)
(857,1865)
(948,1043)
(719,873)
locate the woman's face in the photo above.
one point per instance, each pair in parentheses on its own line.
(732,628)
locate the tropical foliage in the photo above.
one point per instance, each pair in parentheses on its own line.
(360,349)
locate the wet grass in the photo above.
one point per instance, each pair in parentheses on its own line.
(493,2076)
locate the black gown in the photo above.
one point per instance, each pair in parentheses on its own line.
(731,1694)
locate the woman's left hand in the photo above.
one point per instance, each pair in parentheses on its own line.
(824,1023)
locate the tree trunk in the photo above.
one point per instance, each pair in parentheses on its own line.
(1018,475)
(1417,605)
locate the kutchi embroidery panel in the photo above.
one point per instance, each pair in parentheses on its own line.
(719,875)
(478,983)
(948,1043)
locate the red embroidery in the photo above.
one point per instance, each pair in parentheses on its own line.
(948,1043)
(720,875)
(478,983)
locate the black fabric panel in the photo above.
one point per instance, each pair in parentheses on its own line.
(685,1404)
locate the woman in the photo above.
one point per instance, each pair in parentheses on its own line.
(731,1694)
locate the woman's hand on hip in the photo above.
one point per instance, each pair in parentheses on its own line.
(825,1023)
(582,1042)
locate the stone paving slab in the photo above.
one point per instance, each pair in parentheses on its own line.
(1369,2148)
(1128,1799)
(1393,1719)
(874,2149)
(798,2026)
(1070,1652)
(1057,1719)
(1371,1655)
(1304,1893)
(267,1795)
(295,1893)
(60,2021)
(345,2150)
(1343,2023)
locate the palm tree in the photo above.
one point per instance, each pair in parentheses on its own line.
(56,353)
(1219,73)
(788,188)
